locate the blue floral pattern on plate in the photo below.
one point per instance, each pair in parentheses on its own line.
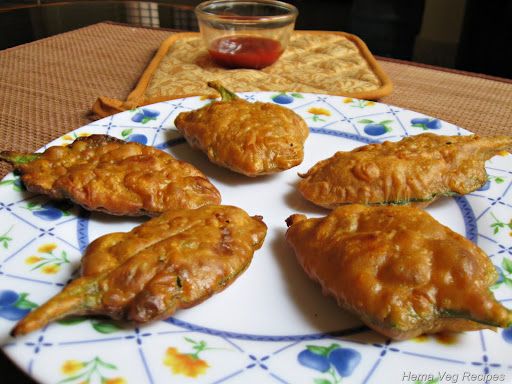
(273,324)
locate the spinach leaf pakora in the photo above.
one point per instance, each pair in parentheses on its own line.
(416,170)
(249,138)
(103,173)
(399,270)
(175,260)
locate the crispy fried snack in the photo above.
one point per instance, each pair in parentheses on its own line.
(176,260)
(249,138)
(416,170)
(399,270)
(103,173)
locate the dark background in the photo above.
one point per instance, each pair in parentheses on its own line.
(468,35)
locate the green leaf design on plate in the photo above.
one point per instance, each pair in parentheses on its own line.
(105,327)
(506,264)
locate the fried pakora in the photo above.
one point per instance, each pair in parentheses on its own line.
(249,138)
(176,260)
(399,270)
(415,171)
(103,173)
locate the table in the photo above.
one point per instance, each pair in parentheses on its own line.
(47,88)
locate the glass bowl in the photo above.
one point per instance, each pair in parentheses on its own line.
(246,33)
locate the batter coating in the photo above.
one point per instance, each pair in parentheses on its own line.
(399,270)
(176,260)
(103,173)
(415,171)
(249,138)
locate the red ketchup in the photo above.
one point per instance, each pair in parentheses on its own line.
(246,51)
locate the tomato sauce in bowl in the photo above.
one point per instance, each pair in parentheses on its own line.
(245,51)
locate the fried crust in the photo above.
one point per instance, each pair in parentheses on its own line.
(399,270)
(414,171)
(176,260)
(249,138)
(103,173)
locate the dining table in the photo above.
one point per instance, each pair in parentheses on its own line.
(48,86)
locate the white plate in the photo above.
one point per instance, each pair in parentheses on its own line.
(255,331)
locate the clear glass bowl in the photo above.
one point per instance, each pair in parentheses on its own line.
(246,33)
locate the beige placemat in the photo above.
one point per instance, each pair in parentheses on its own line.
(324,62)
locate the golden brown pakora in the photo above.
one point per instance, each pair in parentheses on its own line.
(249,138)
(176,260)
(415,171)
(103,173)
(399,270)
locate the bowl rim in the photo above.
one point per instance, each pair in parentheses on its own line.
(292,10)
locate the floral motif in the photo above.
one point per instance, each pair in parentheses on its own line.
(71,367)
(499,224)
(47,264)
(73,136)
(335,361)
(284,98)
(426,123)
(16,184)
(187,364)
(88,372)
(373,128)
(51,210)
(505,274)
(487,185)
(137,138)
(433,381)
(318,112)
(507,335)
(104,327)
(358,103)
(14,306)
(144,115)
(4,239)
(496,179)
(115,380)
(209,97)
